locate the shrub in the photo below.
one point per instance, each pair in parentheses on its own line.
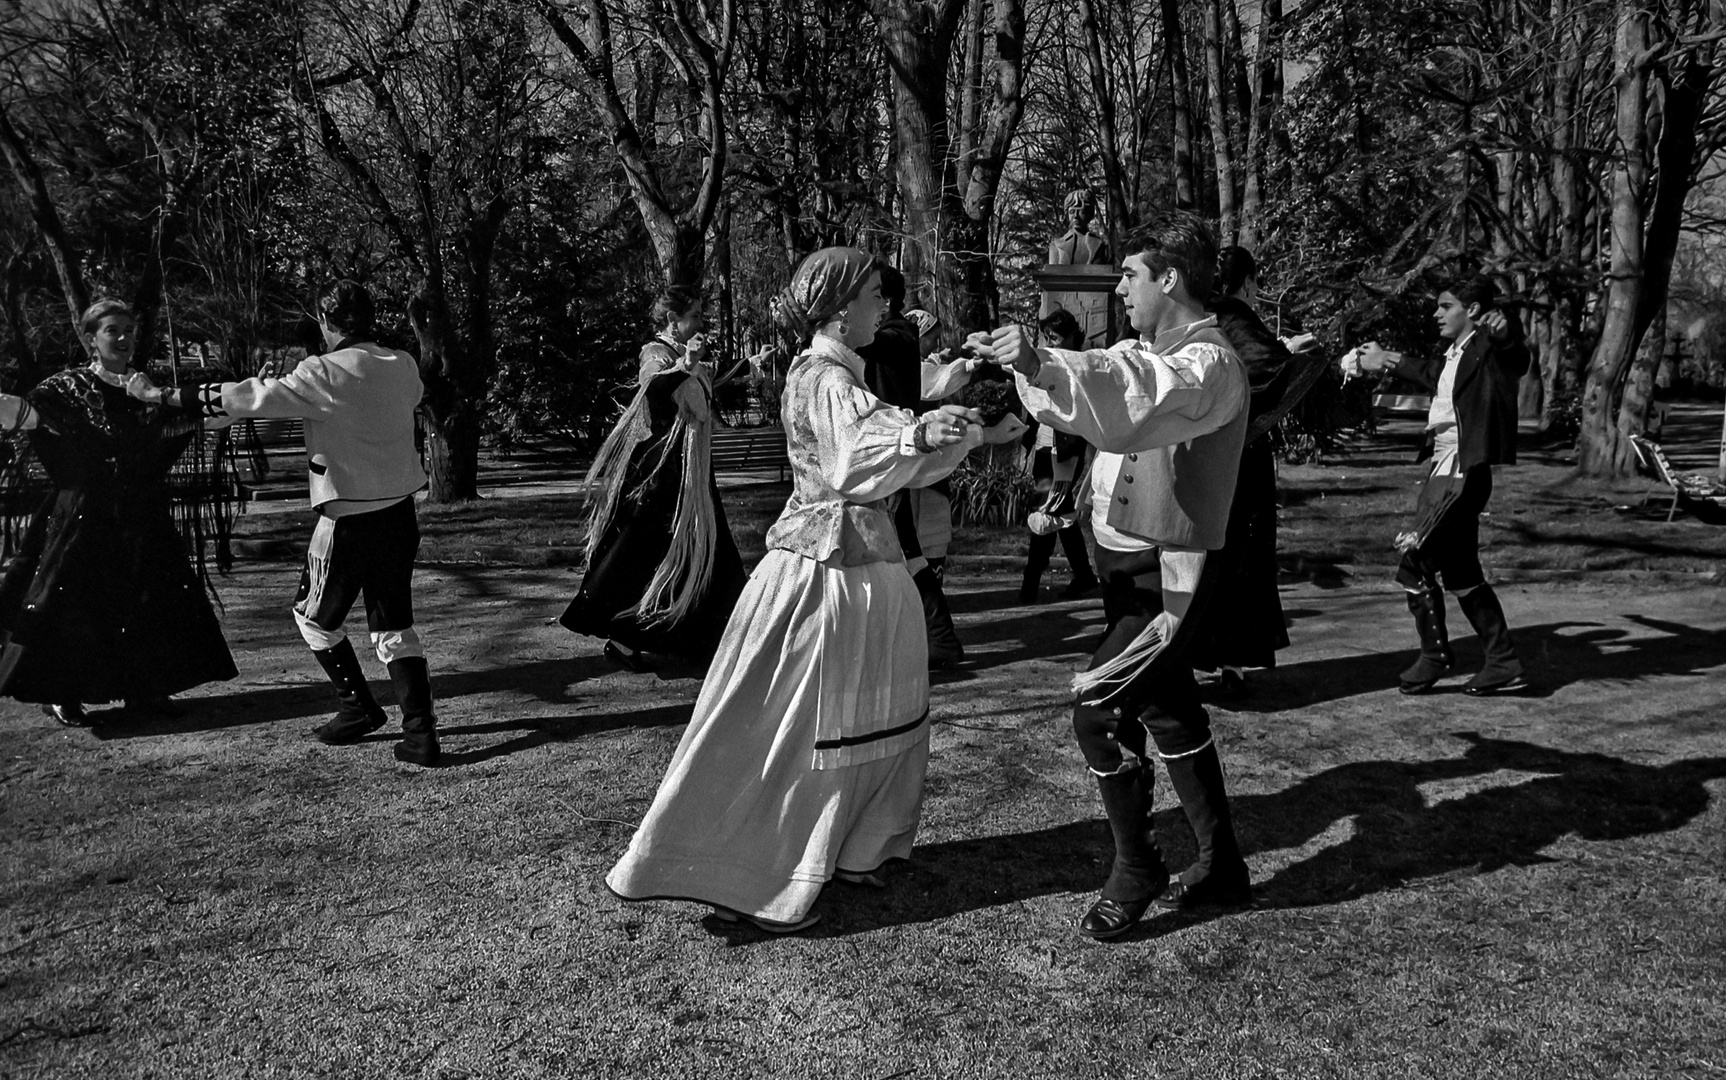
(990,493)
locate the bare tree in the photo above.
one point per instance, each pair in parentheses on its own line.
(423,112)
(698,37)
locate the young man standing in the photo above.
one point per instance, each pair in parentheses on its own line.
(358,401)
(1470,428)
(1168,414)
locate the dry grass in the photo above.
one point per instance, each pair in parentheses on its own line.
(1448,887)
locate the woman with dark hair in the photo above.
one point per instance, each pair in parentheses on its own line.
(1245,626)
(358,401)
(1470,428)
(805,757)
(662,569)
(100,602)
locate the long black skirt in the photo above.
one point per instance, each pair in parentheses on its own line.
(633,545)
(103,604)
(1244,626)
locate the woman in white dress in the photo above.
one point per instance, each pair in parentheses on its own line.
(805,757)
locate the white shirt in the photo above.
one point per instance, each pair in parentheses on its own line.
(1136,395)
(1441,418)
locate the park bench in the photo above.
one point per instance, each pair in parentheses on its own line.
(1699,494)
(740,449)
(258,442)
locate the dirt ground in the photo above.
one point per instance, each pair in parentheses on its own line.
(1529,886)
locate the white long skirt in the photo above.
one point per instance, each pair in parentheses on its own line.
(742,819)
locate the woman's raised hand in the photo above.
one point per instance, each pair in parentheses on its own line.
(139,386)
(697,348)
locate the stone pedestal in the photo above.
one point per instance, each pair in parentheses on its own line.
(1087,290)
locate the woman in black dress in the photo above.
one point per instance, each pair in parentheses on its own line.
(100,602)
(1246,626)
(662,570)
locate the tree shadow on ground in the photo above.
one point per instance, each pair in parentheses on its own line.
(1554,654)
(1389,834)
(545,680)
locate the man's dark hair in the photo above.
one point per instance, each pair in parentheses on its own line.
(1476,289)
(674,302)
(893,288)
(1234,267)
(1059,327)
(1180,241)
(347,306)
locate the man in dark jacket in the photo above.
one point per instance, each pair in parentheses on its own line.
(1471,428)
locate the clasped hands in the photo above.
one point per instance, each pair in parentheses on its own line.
(138,385)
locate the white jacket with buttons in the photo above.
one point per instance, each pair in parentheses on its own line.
(358,405)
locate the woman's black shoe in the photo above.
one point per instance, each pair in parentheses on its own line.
(72,715)
(1112,918)
(627,659)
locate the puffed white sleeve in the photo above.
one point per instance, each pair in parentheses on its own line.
(303,393)
(866,448)
(1127,398)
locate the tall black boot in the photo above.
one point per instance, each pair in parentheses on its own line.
(359,713)
(412,681)
(1079,561)
(1138,874)
(1036,561)
(1435,656)
(1218,877)
(1502,672)
(944,646)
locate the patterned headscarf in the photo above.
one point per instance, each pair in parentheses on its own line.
(823,284)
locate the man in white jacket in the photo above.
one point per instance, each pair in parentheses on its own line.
(358,402)
(1167,413)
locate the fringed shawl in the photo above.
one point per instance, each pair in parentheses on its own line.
(682,577)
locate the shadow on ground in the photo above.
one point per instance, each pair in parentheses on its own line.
(548,681)
(1390,835)
(1556,655)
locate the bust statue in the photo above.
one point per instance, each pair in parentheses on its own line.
(1079,245)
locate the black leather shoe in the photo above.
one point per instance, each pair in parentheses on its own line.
(628,660)
(1511,684)
(1215,891)
(1112,918)
(418,748)
(1420,676)
(71,715)
(345,730)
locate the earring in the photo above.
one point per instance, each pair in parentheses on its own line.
(844,328)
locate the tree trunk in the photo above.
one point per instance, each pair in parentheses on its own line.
(1108,144)
(53,231)
(1638,398)
(918,38)
(1599,450)
(1180,106)
(1267,60)
(1647,215)
(1222,147)
(982,180)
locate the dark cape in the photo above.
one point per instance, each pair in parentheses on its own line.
(1244,624)
(100,602)
(638,537)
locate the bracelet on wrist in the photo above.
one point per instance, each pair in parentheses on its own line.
(920,439)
